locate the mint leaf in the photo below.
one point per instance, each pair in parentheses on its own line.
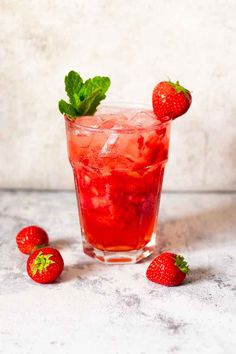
(84,97)
(89,105)
(73,84)
(66,108)
(98,82)
(92,93)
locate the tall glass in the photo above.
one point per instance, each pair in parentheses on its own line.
(118,158)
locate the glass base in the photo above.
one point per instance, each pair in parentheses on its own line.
(122,257)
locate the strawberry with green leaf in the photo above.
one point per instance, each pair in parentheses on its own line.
(84,97)
(168,269)
(45,265)
(170,100)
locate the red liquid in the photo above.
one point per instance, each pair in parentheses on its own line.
(118,191)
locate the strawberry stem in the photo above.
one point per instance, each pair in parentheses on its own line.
(37,247)
(41,263)
(182,264)
(178,88)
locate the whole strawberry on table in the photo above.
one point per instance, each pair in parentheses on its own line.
(45,264)
(31,237)
(168,269)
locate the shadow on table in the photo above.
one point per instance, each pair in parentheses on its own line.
(80,270)
(63,243)
(199,274)
(201,230)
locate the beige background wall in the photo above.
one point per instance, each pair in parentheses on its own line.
(136,43)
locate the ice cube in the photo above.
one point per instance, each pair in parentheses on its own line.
(108,123)
(142,119)
(109,144)
(113,121)
(89,121)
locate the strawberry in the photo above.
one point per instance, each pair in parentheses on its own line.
(170,100)
(168,269)
(30,238)
(45,265)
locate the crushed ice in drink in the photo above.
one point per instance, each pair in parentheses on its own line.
(125,119)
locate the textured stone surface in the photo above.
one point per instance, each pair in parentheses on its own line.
(136,43)
(114,309)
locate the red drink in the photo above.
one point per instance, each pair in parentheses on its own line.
(118,161)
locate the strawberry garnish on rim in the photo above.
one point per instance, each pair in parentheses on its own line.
(170,100)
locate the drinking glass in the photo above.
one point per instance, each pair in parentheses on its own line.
(118,158)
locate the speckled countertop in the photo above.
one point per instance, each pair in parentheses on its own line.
(96,308)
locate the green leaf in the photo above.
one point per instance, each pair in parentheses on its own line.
(92,93)
(84,97)
(181,263)
(179,88)
(73,84)
(68,109)
(41,263)
(91,85)
(87,107)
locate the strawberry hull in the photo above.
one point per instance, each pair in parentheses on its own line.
(118,178)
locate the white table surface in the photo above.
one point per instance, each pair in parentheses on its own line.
(114,309)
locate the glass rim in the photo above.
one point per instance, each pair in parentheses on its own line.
(117,105)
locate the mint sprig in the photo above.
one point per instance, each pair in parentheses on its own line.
(84,97)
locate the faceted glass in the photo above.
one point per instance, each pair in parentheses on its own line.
(118,158)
